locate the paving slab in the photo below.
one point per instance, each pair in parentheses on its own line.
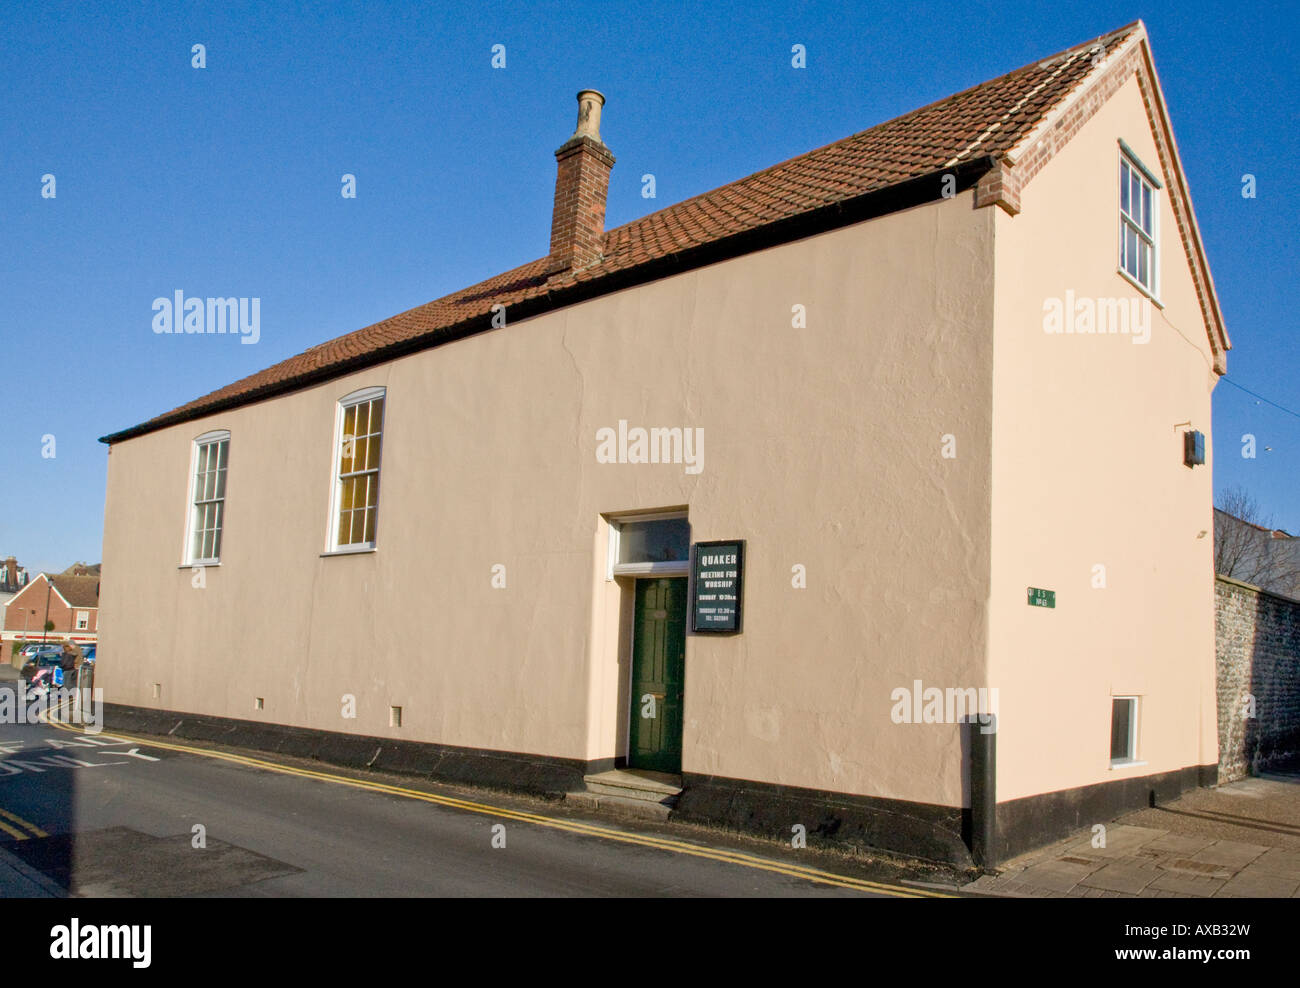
(1126,834)
(1122,876)
(1259,886)
(1048,853)
(1059,876)
(1075,848)
(1019,888)
(1233,853)
(1277,861)
(1204,869)
(1184,884)
(1121,841)
(1178,844)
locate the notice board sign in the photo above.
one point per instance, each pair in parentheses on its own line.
(716,571)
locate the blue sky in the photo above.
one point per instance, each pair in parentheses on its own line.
(226,180)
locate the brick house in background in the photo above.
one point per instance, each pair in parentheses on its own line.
(12,579)
(81,569)
(69,602)
(12,576)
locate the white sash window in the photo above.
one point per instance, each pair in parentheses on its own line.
(358,440)
(207,498)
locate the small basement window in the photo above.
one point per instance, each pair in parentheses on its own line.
(1123,729)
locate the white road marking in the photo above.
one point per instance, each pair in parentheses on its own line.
(88,745)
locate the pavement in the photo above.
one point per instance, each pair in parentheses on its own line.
(1240,840)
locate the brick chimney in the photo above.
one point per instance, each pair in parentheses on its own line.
(581,184)
(11,573)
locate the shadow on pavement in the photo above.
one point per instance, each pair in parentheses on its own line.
(1237,820)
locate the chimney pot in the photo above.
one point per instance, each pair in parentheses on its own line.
(589,103)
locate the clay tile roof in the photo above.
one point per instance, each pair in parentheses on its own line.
(979,123)
(79,591)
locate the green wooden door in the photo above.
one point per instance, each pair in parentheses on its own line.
(658,675)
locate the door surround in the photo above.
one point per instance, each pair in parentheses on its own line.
(611,717)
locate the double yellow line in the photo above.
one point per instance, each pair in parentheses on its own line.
(572,826)
(14,831)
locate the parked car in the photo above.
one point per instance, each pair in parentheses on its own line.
(44,655)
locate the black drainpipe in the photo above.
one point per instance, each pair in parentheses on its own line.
(983,792)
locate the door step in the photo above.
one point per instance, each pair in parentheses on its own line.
(639,809)
(630,792)
(652,787)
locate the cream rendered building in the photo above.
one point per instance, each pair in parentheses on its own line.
(861,346)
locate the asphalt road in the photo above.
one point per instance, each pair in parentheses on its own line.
(108,816)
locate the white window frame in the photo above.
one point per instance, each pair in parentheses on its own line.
(614,568)
(1146,179)
(1133,730)
(83,620)
(358,397)
(187,551)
